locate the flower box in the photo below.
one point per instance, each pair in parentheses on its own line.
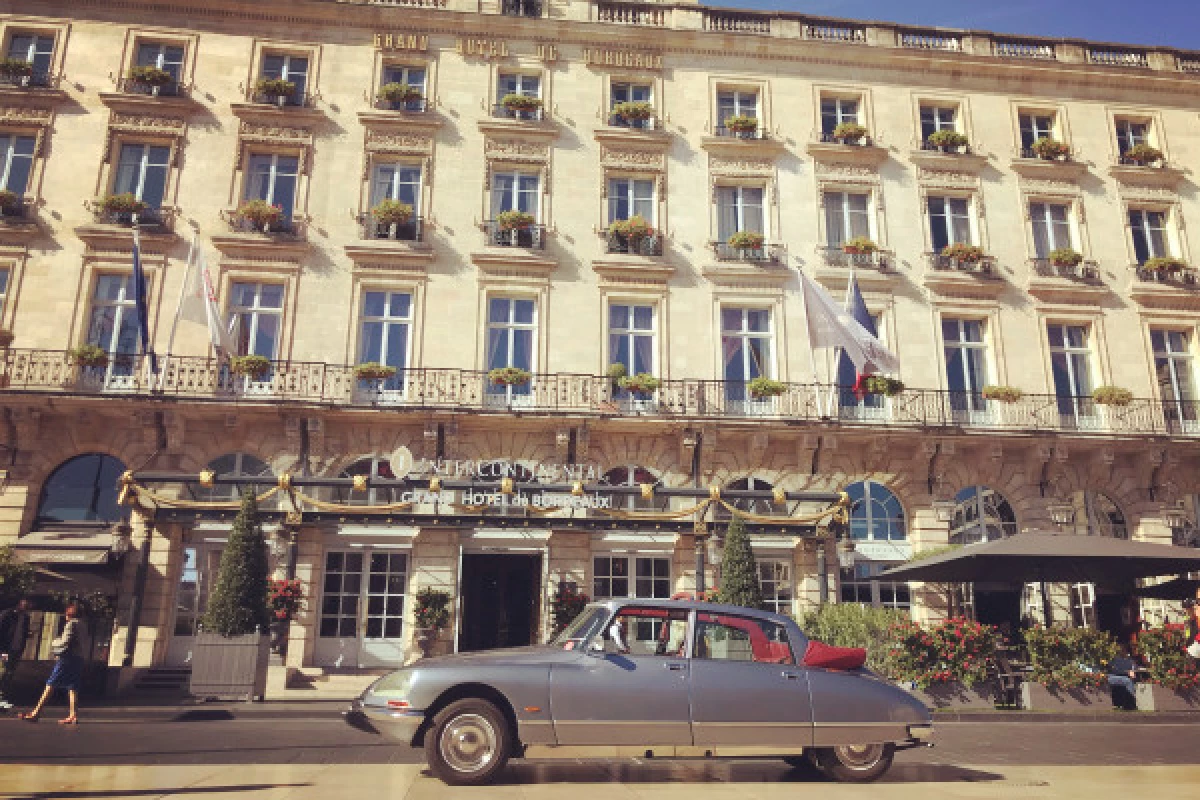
(1164,264)
(947,140)
(1159,698)
(392,212)
(252,366)
(9,200)
(275,88)
(957,696)
(1002,394)
(515,220)
(740,123)
(747,240)
(399,92)
(88,355)
(150,76)
(634,111)
(1143,155)
(849,132)
(963,253)
(1065,257)
(1051,149)
(261,213)
(643,383)
(122,204)
(859,245)
(509,376)
(878,384)
(1112,396)
(521,102)
(761,388)
(1036,697)
(373,371)
(15,67)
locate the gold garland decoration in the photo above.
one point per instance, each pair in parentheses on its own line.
(654,515)
(767,519)
(163,500)
(346,508)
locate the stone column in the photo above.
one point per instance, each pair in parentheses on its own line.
(433,563)
(302,634)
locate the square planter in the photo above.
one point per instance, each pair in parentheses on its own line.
(1159,698)
(230,668)
(957,696)
(1035,697)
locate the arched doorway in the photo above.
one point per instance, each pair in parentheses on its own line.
(879,528)
(982,514)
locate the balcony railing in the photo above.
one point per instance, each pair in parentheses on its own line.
(130,86)
(631,14)
(961,150)
(1117,58)
(532,238)
(1126,161)
(37,80)
(294,100)
(832,32)
(419,105)
(758,133)
(930,40)
(1184,277)
(410,231)
(1028,152)
(1017,48)
(767,254)
(827,137)
(1189,65)
(15,213)
(501,111)
(203,379)
(147,218)
(836,256)
(286,229)
(521,8)
(1084,271)
(730,22)
(648,124)
(986,265)
(641,246)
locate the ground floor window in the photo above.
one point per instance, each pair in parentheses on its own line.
(611,577)
(373,607)
(856,586)
(1083,605)
(775,579)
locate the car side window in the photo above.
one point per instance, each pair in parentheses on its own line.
(731,637)
(643,631)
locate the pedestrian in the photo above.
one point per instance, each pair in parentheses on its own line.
(68,668)
(14,632)
(1192,629)
(1122,678)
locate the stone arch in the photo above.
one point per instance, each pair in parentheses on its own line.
(65,497)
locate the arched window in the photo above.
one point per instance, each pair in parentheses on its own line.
(635,476)
(757,505)
(373,468)
(1097,515)
(234,465)
(82,489)
(876,514)
(981,515)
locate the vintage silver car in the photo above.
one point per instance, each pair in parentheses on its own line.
(649,678)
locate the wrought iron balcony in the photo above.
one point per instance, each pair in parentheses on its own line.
(15,213)
(131,86)
(985,265)
(532,237)
(521,8)
(836,256)
(766,254)
(961,150)
(418,106)
(1181,276)
(284,228)
(1084,271)
(293,100)
(501,111)
(651,245)
(35,80)
(758,133)
(410,231)
(147,218)
(648,124)
(827,137)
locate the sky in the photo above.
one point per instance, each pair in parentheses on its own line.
(1152,22)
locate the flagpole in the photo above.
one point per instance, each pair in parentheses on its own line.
(183,287)
(812,355)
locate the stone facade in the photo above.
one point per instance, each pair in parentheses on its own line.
(206,142)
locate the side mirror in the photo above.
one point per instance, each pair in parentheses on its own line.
(595,647)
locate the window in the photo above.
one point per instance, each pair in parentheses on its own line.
(386,332)
(746,348)
(517,83)
(516,191)
(632,93)
(167,57)
(339,600)
(739,208)
(511,330)
(16,162)
(400,182)
(981,514)
(1070,357)
(399,73)
(373,468)
(1034,126)
(1174,368)
(775,579)
(113,325)
(83,489)
(652,631)
(846,217)
(726,637)
(856,583)
(142,172)
(856,404)
(611,576)
(256,309)
(1131,133)
(1095,514)
(937,118)
(876,513)
(1149,230)
(836,110)
(736,103)
(633,476)
(272,177)
(233,465)
(747,504)
(4,275)
(36,49)
(290,68)
(628,197)
(966,363)
(631,337)
(1083,605)
(949,221)
(1051,227)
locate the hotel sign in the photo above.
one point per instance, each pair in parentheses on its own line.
(490,469)
(630,59)
(402,41)
(482,48)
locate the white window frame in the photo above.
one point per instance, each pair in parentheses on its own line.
(1127,137)
(274,173)
(744,333)
(745,102)
(1045,217)
(5,279)
(516,176)
(628,186)
(1036,131)
(399,169)
(511,325)
(9,155)
(299,77)
(256,311)
(405,73)
(842,208)
(386,322)
(632,563)
(775,574)
(631,333)
(840,113)
(964,349)
(35,48)
(522,79)
(739,206)
(632,89)
(160,59)
(143,166)
(939,123)
(1177,362)
(1080,399)
(1142,216)
(947,218)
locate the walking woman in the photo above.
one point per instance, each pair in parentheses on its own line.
(68,669)
(1192,629)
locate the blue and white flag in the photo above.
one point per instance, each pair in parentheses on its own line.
(140,299)
(830,325)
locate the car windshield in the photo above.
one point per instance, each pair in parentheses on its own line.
(582,628)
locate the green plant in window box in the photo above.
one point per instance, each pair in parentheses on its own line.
(1002,394)
(849,132)
(643,383)
(515,220)
(1051,149)
(634,110)
(1144,154)
(741,123)
(947,139)
(632,230)
(509,376)
(251,366)
(88,355)
(392,212)
(1112,396)
(879,384)
(150,76)
(963,253)
(261,213)
(274,87)
(373,371)
(1065,257)
(761,388)
(521,102)
(747,240)
(399,92)
(15,67)
(9,200)
(1164,264)
(859,245)
(124,203)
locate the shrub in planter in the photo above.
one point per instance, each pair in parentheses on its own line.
(392,212)
(373,371)
(399,92)
(150,76)
(1050,149)
(124,203)
(88,355)
(643,383)
(566,605)
(521,102)
(1003,394)
(1112,396)
(633,229)
(760,388)
(430,616)
(854,625)
(634,111)
(238,603)
(740,123)
(8,200)
(275,87)
(15,67)
(515,220)
(957,650)
(747,240)
(1065,257)
(616,371)
(880,384)
(1164,264)
(6,338)
(859,245)
(849,132)
(509,376)
(251,366)
(1163,650)
(739,571)
(259,212)
(1143,154)
(963,253)
(948,139)
(1069,658)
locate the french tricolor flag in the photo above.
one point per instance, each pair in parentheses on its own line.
(857,308)
(140,298)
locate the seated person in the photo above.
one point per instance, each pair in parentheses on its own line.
(1122,677)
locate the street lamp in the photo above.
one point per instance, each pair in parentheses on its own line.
(944,509)
(122,538)
(1061,513)
(845,552)
(1175,517)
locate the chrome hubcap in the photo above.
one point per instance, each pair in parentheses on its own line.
(859,756)
(468,743)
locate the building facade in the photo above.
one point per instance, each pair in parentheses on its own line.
(1025,202)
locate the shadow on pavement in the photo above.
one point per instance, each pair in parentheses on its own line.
(697,771)
(204,715)
(159,792)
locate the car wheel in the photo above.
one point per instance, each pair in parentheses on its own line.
(468,743)
(856,763)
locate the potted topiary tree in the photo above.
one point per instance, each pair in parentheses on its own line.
(275,90)
(849,133)
(399,95)
(739,571)
(430,616)
(232,647)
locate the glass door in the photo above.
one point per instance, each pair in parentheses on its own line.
(362,609)
(200,564)
(113,328)
(383,642)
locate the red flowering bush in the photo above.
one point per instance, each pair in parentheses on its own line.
(1163,651)
(568,601)
(956,650)
(285,598)
(1070,658)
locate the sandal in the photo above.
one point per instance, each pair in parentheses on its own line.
(28,716)
(69,721)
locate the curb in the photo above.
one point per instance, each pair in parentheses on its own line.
(1113,717)
(212,712)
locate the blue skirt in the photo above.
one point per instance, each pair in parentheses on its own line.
(67,673)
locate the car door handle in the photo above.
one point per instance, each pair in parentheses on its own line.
(791,676)
(673,667)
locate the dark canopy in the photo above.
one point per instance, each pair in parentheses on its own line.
(1177,589)
(1033,557)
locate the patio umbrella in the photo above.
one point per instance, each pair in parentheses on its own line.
(1177,589)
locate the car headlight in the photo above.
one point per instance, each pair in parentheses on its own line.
(393,686)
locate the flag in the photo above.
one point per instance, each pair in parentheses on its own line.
(140,300)
(199,304)
(829,325)
(858,310)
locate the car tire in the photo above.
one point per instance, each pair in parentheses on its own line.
(856,763)
(468,743)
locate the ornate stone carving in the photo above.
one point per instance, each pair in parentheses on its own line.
(1049,186)
(644,160)
(171,126)
(26,116)
(379,141)
(852,173)
(273,132)
(1152,194)
(756,167)
(516,150)
(944,178)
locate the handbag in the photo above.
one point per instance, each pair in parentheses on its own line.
(1193,650)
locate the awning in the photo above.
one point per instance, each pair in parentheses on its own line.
(1177,589)
(66,546)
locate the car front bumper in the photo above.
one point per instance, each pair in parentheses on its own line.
(398,725)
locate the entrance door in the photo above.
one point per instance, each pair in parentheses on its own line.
(200,563)
(499,600)
(362,609)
